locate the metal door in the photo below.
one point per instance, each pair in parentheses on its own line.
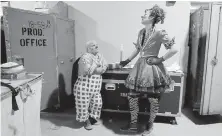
(196,25)
(210,102)
(30,35)
(65,48)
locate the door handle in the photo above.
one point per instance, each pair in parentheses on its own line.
(62,62)
(110,87)
(214,61)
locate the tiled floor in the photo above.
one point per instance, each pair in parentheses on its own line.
(189,124)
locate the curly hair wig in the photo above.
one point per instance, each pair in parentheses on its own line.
(157,13)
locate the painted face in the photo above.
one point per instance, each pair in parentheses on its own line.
(94,48)
(146,18)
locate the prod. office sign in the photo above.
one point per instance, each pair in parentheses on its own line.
(28,34)
(33,34)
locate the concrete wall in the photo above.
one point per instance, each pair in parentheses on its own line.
(116,23)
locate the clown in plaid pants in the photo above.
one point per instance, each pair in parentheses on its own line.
(87,88)
(87,97)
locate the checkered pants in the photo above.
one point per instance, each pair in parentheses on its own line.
(87,97)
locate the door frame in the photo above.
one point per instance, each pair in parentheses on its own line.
(210,53)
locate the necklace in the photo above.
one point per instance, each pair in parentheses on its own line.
(146,39)
(148,36)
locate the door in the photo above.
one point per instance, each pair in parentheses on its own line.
(210,102)
(65,48)
(30,36)
(195,39)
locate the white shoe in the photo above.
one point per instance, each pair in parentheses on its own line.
(88,125)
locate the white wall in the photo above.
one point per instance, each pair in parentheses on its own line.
(116,23)
(27,5)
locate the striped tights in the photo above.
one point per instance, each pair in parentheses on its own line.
(134,109)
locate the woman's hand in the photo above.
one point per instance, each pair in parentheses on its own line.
(124,63)
(154,61)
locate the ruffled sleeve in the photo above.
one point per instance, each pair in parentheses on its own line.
(137,44)
(166,40)
(87,65)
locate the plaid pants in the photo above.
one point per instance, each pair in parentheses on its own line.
(88,99)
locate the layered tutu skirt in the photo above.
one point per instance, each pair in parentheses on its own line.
(145,78)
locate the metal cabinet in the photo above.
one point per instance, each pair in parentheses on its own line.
(26,120)
(46,44)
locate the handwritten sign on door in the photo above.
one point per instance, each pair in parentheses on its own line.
(34,34)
